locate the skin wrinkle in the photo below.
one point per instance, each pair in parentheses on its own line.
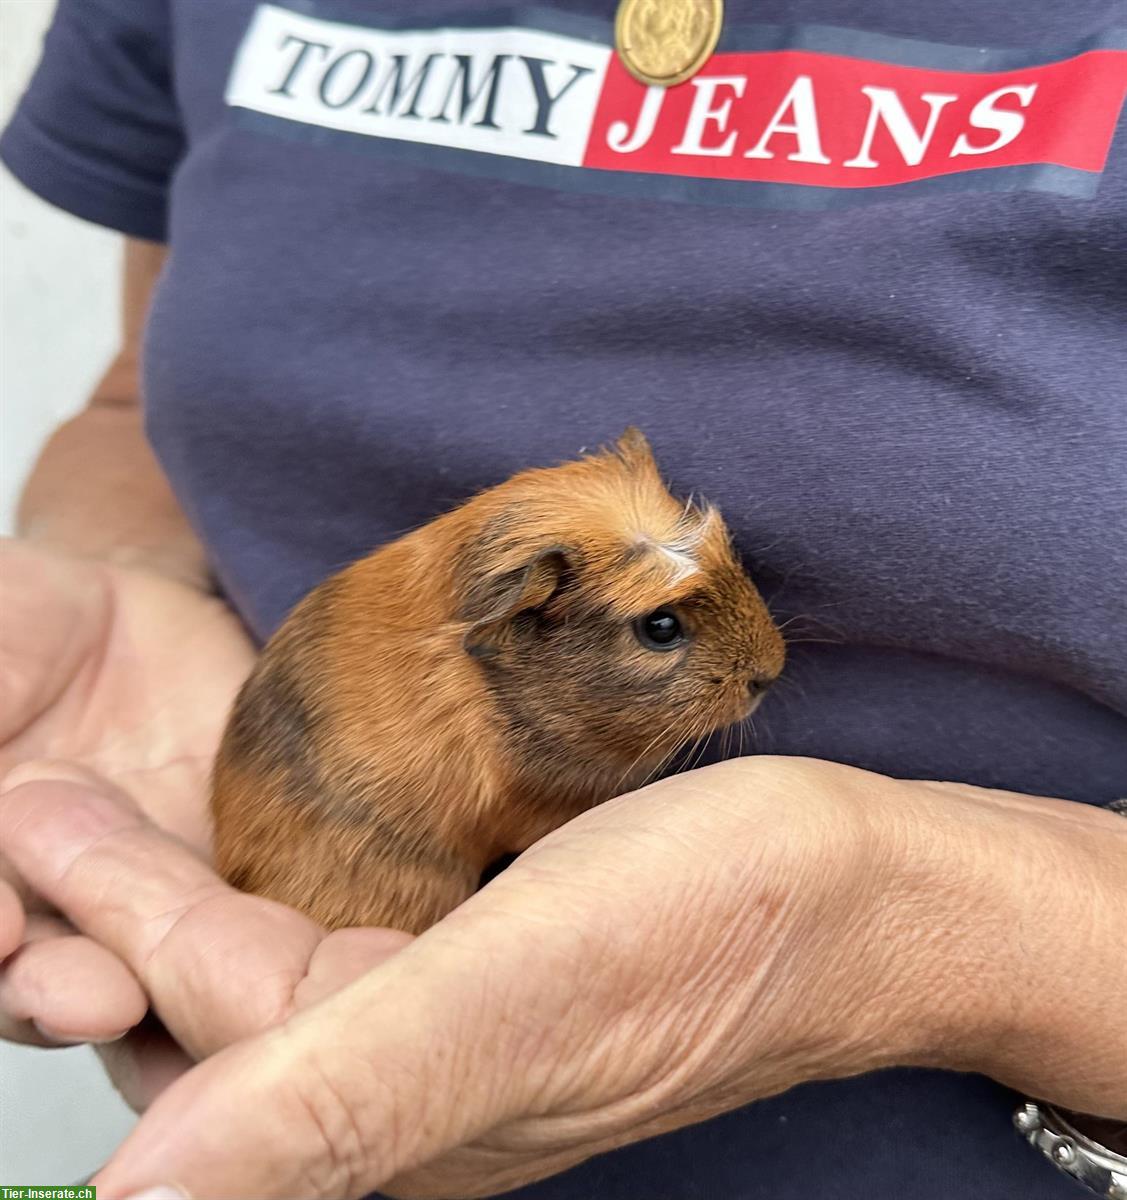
(906,920)
(272,999)
(333,1115)
(314,1116)
(445,1075)
(169,922)
(532,1029)
(704,1036)
(648,1106)
(777,921)
(679,1010)
(63,869)
(924,889)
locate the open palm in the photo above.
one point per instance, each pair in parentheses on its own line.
(122,675)
(123,672)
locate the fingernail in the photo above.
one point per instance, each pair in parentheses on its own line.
(163,1192)
(73,1039)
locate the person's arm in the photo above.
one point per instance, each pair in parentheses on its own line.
(114,658)
(717,937)
(97,490)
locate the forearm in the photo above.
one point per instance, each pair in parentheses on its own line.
(97,489)
(1015,927)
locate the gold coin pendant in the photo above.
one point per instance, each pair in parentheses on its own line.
(665,42)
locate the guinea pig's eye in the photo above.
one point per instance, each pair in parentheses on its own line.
(659,630)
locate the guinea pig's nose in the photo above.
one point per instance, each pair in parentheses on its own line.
(758,684)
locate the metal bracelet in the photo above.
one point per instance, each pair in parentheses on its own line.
(1057,1136)
(1053,1133)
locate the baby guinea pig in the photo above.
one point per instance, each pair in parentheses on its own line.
(466,689)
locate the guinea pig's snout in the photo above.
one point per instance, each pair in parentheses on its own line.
(758,684)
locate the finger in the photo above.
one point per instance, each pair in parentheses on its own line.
(60,988)
(26,772)
(343,956)
(219,965)
(29,900)
(21,1028)
(144,1063)
(147,1061)
(11,919)
(379,1078)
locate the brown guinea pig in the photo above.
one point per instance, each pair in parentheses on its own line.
(464,690)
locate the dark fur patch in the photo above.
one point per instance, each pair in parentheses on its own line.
(277,731)
(241,879)
(358,802)
(272,725)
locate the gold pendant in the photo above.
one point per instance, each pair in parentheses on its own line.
(665,42)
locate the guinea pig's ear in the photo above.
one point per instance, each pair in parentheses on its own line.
(494,600)
(634,448)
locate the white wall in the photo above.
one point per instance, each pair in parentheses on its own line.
(58,286)
(59,1119)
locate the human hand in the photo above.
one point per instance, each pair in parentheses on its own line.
(219,964)
(129,675)
(672,954)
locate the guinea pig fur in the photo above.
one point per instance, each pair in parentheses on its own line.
(462,691)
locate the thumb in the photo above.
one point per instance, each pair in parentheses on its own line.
(386,1074)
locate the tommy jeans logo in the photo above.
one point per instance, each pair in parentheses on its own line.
(756,125)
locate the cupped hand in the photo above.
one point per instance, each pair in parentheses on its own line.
(672,954)
(119,673)
(220,965)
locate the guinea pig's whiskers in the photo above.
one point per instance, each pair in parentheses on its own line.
(731,735)
(654,742)
(681,745)
(686,743)
(759,551)
(787,681)
(699,745)
(811,625)
(749,731)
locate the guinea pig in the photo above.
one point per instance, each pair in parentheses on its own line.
(466,689)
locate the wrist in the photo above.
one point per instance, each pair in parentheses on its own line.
(178,563)
(97,492)
(1012,917)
